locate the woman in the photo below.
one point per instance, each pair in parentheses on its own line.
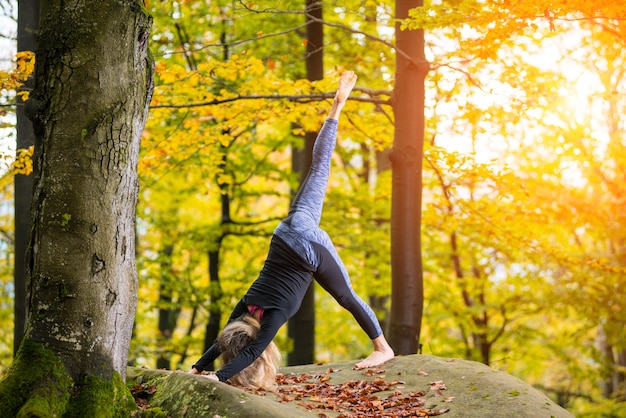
(300,251)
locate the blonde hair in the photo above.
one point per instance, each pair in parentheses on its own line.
(236,336)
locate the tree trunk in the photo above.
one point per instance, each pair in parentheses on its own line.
(407,293)
(301,327)
(215,285)
(27,26)
(93,83)
(168,316)
(212,328)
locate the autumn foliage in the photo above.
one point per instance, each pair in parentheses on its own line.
(12,81)
(523,222)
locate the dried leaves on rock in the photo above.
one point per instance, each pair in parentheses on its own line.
(374,397)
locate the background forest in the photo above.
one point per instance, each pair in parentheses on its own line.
(524,180)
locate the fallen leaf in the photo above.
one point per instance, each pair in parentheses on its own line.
(437,385)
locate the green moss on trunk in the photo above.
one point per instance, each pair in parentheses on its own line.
(37,385)
(100,398)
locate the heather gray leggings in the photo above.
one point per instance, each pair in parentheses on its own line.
(302,232)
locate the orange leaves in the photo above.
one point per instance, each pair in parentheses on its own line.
(351,399)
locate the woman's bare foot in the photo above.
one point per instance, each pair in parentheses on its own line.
(347,80)
(382,353)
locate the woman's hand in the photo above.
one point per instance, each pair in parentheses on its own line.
(211,376)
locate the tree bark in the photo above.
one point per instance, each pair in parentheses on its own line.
(407,292)
(27,27)
(168,315)
(93,84)
(216,293)
(301,327)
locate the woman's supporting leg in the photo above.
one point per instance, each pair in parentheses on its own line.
(332,275)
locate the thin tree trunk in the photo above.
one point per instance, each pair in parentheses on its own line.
(215,291)
(407,293)
(215,286)
(301,327)
(212,328)
(27,27)
(167,315)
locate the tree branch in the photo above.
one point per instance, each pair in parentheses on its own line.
(300,98)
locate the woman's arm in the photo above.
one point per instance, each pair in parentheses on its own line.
(272,321)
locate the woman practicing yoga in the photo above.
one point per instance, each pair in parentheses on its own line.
(300,251)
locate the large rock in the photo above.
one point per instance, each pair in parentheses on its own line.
(462,389)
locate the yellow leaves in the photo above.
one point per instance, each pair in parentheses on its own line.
(25,62)
(212,83)
(23,163)
(20,163)
(15,78)
(243,108)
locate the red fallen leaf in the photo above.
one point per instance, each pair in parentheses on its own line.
(422,373)
(437,385)
(309,407)
(449,399)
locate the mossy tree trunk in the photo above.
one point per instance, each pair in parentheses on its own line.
(93,83)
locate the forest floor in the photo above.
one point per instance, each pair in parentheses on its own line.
(407,386)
